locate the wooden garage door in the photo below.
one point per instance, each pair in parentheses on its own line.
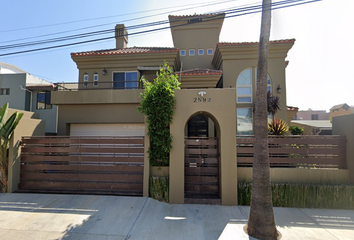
(95,165)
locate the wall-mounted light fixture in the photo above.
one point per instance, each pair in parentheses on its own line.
(104,72)
(279,89)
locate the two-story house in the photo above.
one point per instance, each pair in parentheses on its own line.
(216,100)
(24,91)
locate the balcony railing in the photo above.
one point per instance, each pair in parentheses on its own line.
(70,86)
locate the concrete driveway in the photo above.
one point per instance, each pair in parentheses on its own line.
(51,216)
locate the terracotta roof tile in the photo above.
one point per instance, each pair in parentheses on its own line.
(121,51)
(199,71)
(195,15)
(255,43)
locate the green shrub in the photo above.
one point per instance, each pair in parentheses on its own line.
(304,195)
(158,188)
(295,130)
(158,102)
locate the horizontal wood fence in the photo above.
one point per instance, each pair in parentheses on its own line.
(98,165)
(296,151)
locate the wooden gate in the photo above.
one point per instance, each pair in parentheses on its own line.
(201,167)
(93,165)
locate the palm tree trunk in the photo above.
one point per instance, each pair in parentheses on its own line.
(261,223)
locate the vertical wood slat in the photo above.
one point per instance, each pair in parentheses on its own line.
(313,148)
(69,163)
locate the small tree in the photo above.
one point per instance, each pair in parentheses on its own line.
(158,103)
(273,103)
(6,130)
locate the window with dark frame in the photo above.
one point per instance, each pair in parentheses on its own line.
(125,80)
(95,79)
(4,91)
(86,77)
(43,100)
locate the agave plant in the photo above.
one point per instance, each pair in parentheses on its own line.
(278,127)
(7,128)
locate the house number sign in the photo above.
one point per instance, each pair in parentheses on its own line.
(201,98)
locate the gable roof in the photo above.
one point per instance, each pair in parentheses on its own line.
(9,68)
(343,105)
(122,51)
(199,71)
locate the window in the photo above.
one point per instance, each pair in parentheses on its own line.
(183,52)
(4,91)
(125,80)
(191,52)
(95,80)
(269,82)
(86,77)
(210,51)
(200,51)
(244,86)
(314,116)
(43,100)
(244,121)
(269,85)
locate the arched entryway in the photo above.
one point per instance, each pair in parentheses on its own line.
(202,161)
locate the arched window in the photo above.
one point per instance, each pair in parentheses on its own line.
(269,81)
(244,86)
(198,126)
(269,85)
(86,78)
(95,79)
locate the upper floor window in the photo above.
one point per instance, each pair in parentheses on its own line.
(210,51)
(95,79)
(183,52)
(244,86)
(86,78)
(269,82)
(125,80)
(43,100)
(269,85)
(4,91)
(200,51)
(191,52)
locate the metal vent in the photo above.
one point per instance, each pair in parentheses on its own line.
(194,20)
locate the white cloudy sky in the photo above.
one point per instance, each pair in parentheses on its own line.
(318,76)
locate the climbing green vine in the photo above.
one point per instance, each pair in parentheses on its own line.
(158,103)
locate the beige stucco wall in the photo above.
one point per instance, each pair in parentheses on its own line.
(276,70)
(199,35)
(96,113)
(296,175)
(96,96)
(28,126)
(222,110)
(121,62)
(344,126)
(338,112)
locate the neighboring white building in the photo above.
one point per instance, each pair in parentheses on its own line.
(24,91)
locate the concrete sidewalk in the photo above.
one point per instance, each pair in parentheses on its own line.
(50,216)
